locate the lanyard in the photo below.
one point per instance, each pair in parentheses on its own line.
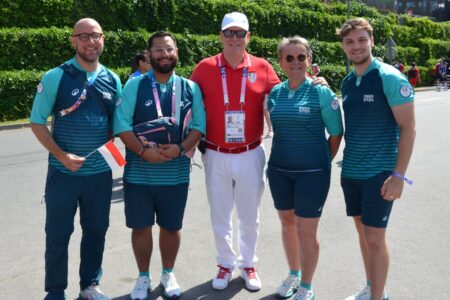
(156,96)
(224,83)
(82,97)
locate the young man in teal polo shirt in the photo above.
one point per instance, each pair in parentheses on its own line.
(378,104)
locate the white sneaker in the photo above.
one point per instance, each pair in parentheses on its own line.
(140,291)
(93,293)
(364,294)
(304,294)
(252,281)
(222,278)
(288,287)
(171,288)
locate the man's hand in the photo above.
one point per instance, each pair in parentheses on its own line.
(154,155)
(170,150)
(71,161)
(392,188)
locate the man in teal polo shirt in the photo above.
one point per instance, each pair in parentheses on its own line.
(156,177)
(80,95)
(378,104)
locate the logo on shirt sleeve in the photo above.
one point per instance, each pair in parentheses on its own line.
(40,88)
(405,91)
(335,104)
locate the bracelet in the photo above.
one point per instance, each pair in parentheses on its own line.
(402,177)
(141,151)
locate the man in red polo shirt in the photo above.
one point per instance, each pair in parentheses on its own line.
(234,84)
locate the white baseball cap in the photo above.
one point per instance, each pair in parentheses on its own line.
(235,19)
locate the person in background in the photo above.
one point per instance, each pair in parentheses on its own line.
(414,75)
(141,64)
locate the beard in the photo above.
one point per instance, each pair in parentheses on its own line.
(361,61)
(166,68)
(89,59)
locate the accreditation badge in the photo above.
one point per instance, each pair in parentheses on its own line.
(234,127)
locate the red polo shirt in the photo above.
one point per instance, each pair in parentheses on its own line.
(260,79)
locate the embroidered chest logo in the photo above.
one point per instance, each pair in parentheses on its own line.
(344,99)
(107,96)
(304,110)
(75,92)
(368,98)
(148,102)
(252,77)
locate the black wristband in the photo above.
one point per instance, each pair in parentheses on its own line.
(182,149)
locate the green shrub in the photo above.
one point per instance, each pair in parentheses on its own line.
(430,48)
(42,49)
(408,55)
(17,91)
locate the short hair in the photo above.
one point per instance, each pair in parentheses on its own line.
(161,34)
(354,24)
(137,58)
(413,64)
(294,40)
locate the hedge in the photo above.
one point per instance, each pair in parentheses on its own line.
(17,88)
(268,18)
(41,49)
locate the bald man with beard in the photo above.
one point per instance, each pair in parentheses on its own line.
(80,95)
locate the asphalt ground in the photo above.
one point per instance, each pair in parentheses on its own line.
(418,232)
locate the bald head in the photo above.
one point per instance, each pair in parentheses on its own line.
(84,23)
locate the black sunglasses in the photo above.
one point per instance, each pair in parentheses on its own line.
(291,58)
(228,33)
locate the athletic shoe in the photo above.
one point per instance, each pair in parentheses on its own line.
(140,291)
(364,294)
(93,293)
(222,278)
(288,287)
(304,294)
(171,288)
(252,281)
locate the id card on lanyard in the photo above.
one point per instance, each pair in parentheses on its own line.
(234,120)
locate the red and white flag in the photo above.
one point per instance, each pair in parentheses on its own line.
(112,155)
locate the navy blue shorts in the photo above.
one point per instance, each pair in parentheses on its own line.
(363,198)
(305,192)
(144,202)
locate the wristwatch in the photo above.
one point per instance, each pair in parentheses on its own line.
(182,150)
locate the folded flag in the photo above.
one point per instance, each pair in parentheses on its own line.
(112,155)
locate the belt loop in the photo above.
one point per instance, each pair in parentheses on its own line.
(247,146)
(218,148)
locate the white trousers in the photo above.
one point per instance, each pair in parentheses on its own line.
(235,181)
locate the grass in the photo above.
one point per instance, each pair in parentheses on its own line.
(20,121)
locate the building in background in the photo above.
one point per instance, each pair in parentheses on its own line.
(438,10)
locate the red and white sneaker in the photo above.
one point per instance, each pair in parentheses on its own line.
(252,281)
(222,278)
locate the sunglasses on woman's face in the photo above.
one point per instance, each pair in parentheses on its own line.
(290,58)
(228,33)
